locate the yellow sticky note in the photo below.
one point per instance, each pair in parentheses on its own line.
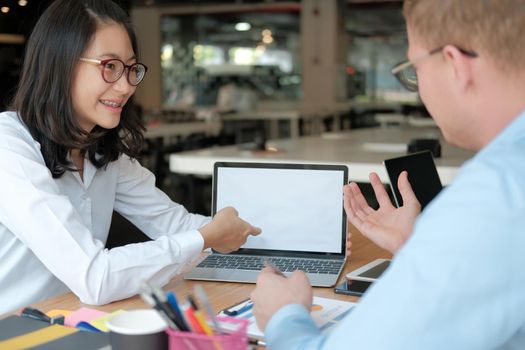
(57,312)
(100,322)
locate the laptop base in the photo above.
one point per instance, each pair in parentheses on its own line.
(250,276)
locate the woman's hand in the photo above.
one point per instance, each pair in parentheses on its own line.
(227,232)
(388,227)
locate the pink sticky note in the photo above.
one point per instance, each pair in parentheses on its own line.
(83,314)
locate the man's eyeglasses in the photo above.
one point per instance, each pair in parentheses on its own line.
(113,68)
(405,71)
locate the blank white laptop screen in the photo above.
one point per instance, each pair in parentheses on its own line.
(297,209)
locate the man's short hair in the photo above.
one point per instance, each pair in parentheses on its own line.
(490,27)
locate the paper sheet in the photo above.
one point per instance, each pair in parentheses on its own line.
(325,312)
(100,322)
(83,314)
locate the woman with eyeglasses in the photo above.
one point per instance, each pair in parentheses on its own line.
(67,150)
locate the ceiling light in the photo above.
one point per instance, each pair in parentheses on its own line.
(243,26)
(5,9)
(22,2)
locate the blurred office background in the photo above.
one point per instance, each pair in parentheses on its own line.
(212,62)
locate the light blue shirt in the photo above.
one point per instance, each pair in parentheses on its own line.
(458,282)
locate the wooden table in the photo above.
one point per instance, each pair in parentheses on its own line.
(222,294)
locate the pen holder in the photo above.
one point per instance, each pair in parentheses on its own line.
(236,339)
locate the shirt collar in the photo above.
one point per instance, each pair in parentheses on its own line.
(512,132)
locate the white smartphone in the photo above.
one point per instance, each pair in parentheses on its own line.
(369,272)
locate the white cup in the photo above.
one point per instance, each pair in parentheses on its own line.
(138,329)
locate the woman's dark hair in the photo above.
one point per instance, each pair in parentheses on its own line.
(43,99)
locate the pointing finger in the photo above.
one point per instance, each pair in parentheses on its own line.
(255,231)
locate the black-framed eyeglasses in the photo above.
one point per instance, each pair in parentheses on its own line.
(405,71)
(113,68)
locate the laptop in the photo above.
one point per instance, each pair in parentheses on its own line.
(299,208)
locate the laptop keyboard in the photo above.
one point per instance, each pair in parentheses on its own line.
(243,262)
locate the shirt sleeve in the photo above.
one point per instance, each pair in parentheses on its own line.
(293,328)
(45,221)
(151,210)
(456,284)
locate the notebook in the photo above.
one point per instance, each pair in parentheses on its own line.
(325,312)
(22,333)
(299,208)
(422,175)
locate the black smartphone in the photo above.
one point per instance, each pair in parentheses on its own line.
(422,175)
(355,288)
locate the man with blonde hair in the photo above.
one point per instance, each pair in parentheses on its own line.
(457,280)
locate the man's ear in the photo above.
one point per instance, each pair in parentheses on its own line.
(461,66)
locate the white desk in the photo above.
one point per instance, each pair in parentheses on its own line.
(163,134)
(271,112)
(167,130)
(273,117)
(362,150)
(293,111)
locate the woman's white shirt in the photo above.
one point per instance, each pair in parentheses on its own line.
(53,231)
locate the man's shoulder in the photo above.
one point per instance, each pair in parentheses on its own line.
(501,160)
(491,182)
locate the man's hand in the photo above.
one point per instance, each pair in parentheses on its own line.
(274,291)
(227,232)
(388,227)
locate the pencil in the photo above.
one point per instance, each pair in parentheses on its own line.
(275,269)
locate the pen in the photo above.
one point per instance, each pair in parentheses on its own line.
(172,301)
(202,322)
(270,264)
(241,310)
(206,329)
(192,303)
(149,300)
(36,314)
(190,317)
(160,298)
(253,341)
(163,304)
(201,294)
(158,301)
